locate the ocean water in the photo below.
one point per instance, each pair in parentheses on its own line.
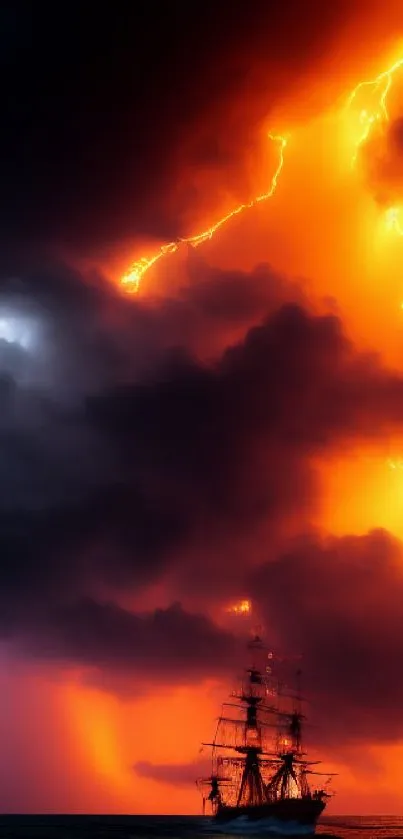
(175,827)
(362,827)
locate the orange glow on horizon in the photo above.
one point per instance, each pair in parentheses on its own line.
(109,741)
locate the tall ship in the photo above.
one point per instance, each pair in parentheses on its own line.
(259,780)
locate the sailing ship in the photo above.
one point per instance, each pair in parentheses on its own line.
(259,779)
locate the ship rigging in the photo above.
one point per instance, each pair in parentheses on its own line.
(259,767)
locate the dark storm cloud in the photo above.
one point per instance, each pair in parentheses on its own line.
(213,310)
(96,131)
(295,386)
(84,333)
(169,644)
(339,602)
(118,471)
(63,470)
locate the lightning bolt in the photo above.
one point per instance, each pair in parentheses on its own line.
(369,119)
(132,278)
(378,116)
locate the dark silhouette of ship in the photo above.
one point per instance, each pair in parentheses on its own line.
(259,780)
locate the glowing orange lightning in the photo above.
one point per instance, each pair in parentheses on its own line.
(132,278)
(379,115)
(369,118)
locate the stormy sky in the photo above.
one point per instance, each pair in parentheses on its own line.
(232,430)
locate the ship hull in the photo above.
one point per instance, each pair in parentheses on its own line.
(286,817)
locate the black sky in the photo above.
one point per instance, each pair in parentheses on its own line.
(102,104)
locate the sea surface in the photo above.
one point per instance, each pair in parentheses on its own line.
(176,827)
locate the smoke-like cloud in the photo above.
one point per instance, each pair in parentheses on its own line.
(104,638)
(119,473)
(173,773)
(338,601)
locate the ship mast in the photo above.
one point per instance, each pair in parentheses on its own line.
(247,741)
(252,789)
(290,776)
(257,752)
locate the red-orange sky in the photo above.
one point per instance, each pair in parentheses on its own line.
(234,429)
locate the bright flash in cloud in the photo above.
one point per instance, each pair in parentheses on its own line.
(392,220)
(243,607)
(17,330)
(395,463)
